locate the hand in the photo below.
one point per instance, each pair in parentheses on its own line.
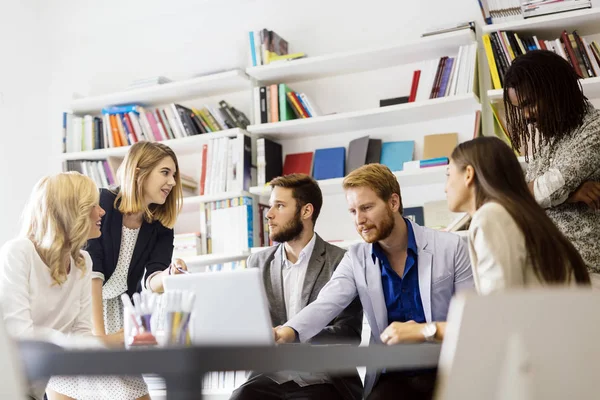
(403,332)
(588,193)
(116,339)
(177,266)
(284,334)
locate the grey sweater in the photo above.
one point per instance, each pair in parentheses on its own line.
(558,169)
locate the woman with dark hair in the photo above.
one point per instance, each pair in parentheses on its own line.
(512,242)
(550,118)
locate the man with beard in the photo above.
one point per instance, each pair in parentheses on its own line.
(404,275)
(294,272)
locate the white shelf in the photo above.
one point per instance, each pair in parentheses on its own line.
(204,86)
(591,89)
(210,259)
(586,21)
(186,145)
(190,202)
(422,49)
(401,114)
(423,176)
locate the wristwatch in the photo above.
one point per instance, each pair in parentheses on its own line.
(429,331)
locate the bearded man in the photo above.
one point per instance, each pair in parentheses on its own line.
(404,275)
(294,272)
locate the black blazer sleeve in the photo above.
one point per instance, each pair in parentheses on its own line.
(346,327)
(160,256)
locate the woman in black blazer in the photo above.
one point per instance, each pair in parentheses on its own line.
(136,246)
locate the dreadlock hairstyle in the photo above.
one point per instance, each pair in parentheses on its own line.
(548,85)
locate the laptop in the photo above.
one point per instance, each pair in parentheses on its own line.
(231,307)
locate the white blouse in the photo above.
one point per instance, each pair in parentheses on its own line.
(32,304)
(497,251)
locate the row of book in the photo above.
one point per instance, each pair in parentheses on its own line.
(278,102)
(229,226)
(446,76)
(329,163)
(499,11)
(503,47)
(226,165)
(128,124)
(267,47)
(104,173)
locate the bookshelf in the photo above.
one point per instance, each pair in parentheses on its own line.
(440,108)
(183,146)
(585,21)
(190,202)
(421,177)
(204,86)
(591,88)
(361,60)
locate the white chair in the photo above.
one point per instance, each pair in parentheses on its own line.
(525,345)
(12,379)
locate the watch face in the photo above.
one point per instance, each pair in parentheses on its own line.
(429,331)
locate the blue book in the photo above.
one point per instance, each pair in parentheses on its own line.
(394,154)
(123,109)
(434,161)
(329,163)
(252,48)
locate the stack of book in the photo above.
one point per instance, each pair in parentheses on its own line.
(228,226)
(187,245)
(129,124)
(104,172)
(225,165)
(189,185)
(502,47)
(447,76)
(534,8)
(276,103)
(267,47)
(498,11)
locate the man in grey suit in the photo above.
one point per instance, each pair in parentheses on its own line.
(404,275)
(294,273)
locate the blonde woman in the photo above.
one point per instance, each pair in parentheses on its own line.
(136,246)
(45,284)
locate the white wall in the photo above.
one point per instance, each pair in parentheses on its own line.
(29,145)
(90,47)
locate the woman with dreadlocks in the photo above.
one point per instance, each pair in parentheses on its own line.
(559,130)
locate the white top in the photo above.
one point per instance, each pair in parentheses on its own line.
(497,251)
(293,277)
(117,283)
(33,304)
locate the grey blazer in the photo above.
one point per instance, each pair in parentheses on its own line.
(343,328)
(444,268)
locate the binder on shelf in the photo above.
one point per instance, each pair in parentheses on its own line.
(394,154)
(357,153)
(374,151)
(329,163)
(298,163)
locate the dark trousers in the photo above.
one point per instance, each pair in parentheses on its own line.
(262,388)
(413,385)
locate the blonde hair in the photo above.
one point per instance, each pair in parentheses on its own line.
(57,220)
(378,178)
(139,162)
